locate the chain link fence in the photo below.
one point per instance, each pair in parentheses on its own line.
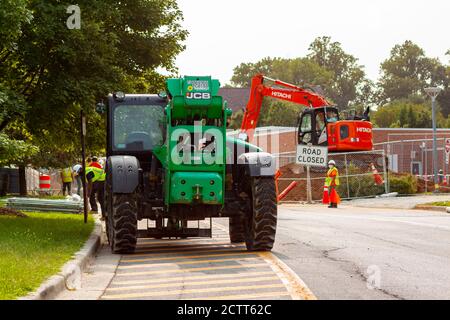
(415,157)
(362,174)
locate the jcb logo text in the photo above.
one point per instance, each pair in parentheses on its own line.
(198,95)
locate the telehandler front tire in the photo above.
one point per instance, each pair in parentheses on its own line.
(261,220)
(122,223)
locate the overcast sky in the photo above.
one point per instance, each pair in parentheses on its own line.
(224,33)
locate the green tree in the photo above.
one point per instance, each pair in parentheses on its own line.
(52,72)
(444,96)
(299,71)
(243,73)
(414,112)
(14,14)
(412,118)
(349,83)
(407,72)
(303,72)
(15,151)
(280,113)
(403,117)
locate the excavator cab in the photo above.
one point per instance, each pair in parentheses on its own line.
(323,127)
(313,124)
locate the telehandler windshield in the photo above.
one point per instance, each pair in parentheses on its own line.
(138,127)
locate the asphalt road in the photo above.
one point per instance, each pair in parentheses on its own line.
(366,253)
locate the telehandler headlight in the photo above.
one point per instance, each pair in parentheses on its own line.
(119,96)
(162,95)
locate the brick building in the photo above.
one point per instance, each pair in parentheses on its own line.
(411,150)
(408,150)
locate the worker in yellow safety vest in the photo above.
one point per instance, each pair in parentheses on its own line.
(96,178)
(67,179)
(331,182)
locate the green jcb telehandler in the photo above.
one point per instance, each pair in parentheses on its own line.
(171,162)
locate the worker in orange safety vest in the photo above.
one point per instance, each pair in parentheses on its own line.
(330,195)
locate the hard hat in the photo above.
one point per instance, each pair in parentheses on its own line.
(76,167)
(331,162)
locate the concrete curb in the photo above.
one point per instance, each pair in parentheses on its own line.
(432,208)
(69,278)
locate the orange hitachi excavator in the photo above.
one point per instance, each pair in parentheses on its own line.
(319,123)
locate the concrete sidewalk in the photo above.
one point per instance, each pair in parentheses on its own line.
(407,202)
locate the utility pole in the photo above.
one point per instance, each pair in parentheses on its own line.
(308,185)
(83,156)
(433,92)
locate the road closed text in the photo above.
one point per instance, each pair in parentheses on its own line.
(312,156)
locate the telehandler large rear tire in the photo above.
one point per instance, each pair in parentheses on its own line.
(122,223)
(261,220)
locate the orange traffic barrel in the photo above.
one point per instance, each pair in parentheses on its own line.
(44,182)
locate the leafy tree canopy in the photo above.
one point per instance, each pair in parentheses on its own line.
(407,113)
(407,72)
(280,113)
(327,65)
(15,151)
(49,72)
(243,73)
(349,77)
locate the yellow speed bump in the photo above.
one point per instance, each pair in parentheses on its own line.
(189,247)
(195,283)
(151,265)
(237,253)
(144,273)
(178,292)
(199,250)
(202,277)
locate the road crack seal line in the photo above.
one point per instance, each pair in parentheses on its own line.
(295,286)
(358,272)
(326,253)
(384,291)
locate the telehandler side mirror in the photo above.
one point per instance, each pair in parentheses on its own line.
(100,108)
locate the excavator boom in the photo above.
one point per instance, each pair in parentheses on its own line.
(290,93)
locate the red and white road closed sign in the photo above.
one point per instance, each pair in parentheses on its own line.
(313,156)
